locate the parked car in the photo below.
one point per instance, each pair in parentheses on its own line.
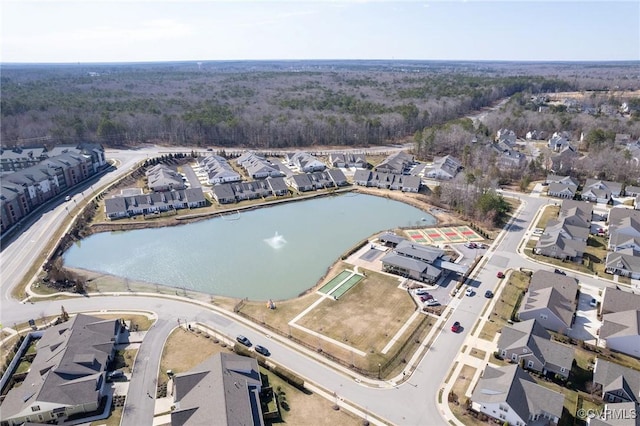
(456,327)
(67,198)
(469,292)
(426,297)
(421,291)
(243,340)
(432,302)
(115,375)
(488,294)
(593,303)
(500,274)
(558,271)
(471,245)
(262,350)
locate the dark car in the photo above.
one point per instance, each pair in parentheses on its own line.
(488,294)
(558,271)
(244,340)
(262,350)
(115,375)
(426,297)
(456,327)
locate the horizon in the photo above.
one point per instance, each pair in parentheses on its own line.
(135,31)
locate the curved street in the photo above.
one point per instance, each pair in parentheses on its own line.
(413,402)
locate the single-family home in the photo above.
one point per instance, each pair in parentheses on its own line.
(218,170)
(624,229)
(564,161)
(624,262)
(617,383)
(444,168)
(557,142)
(506,136)
(617,300)
(338,178)
(600,191)
(528,342)
(305,162)
(341,159)
(278,186)
(620,331)
(551,299)
(223,193)
(562,190)
(68,374)
(398,163)
(562,179)
(224,389)
(301,182)
(631,191)
(511,396)
(617,414)
(163,178)
(257,166)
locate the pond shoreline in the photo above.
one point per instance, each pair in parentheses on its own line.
(104,282)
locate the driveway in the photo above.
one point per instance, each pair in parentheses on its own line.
(191,176)
(586,324)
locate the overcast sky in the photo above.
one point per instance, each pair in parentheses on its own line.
(163,30)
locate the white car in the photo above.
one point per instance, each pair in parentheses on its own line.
(593,303)
(432,302)
(421,291)
(469,292)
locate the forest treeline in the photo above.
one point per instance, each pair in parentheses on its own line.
(258,105)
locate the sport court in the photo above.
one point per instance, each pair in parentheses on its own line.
(445,235)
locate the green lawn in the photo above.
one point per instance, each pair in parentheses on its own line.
(507,304)
(550,212)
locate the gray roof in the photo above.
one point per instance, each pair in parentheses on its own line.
(616,300)
(619,324)
(410,264)
(579,209)
(362,175)
(337,176)
(70,362)
(621,419)
(161,176)
(391,237)
(553,291)
(302,180)
(532,335)
(554,237)
(559,188)
(396,163)
(612,376)
(562,179)
(515,387)
(221,388)
(518,334)
(603,186)
(418,251)
(623,260)
(277,184)
(632,189)
(224,191)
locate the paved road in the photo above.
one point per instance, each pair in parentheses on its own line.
(412,403)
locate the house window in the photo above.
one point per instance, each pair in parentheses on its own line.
(563,370)
(35,408)
(530,364)
(543,316)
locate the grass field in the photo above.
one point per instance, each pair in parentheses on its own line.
(506,305)
(374,300)
(550,212)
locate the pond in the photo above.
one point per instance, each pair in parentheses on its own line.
(269,253)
